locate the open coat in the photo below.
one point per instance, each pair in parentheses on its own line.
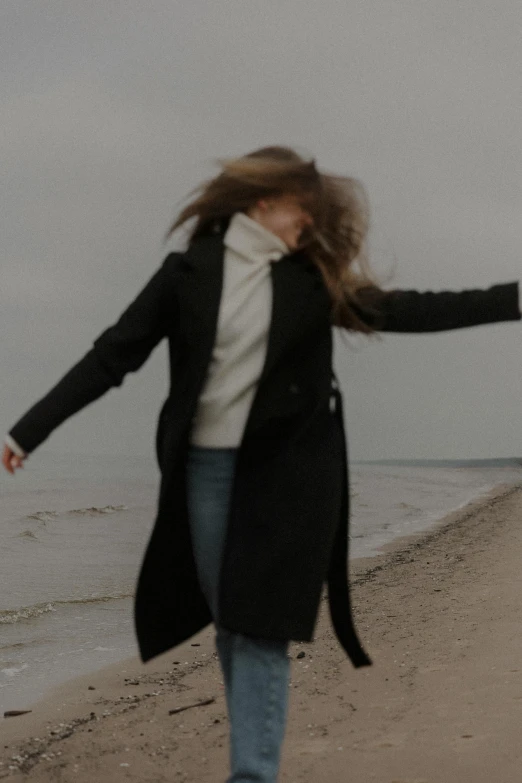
(288,526)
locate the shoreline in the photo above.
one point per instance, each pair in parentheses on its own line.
(68,732)
(367,564)
(71,639)
(364,568)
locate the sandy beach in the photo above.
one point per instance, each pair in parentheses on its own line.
(439,612)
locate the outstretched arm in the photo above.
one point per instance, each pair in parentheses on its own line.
(428,311)
(120,349)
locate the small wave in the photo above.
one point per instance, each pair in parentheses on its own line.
(43,516)
(97,510)
(96,599)
(47,516)
(13,646)
(8,616)
(11,671)
(407,506)
(27,534)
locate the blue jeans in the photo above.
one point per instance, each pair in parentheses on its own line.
(256,671)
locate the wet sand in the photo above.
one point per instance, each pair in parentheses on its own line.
(441,615)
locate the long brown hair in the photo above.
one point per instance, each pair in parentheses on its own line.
(339,205)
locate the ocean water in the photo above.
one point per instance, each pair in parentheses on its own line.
(73,530)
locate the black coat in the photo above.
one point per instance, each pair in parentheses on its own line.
(288,527)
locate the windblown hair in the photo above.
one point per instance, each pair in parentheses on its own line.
(336,243)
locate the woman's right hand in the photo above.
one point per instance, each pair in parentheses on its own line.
(10,460)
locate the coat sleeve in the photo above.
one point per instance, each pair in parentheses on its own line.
(121,348)
(429,311)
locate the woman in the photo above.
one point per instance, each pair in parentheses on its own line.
(252,516)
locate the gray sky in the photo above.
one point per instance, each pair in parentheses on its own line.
(113,111)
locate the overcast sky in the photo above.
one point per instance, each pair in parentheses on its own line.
(112,111)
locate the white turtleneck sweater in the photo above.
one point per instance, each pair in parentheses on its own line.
(240,347)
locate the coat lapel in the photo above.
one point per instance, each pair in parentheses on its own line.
(296,289)
(297,294)
(199,298)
